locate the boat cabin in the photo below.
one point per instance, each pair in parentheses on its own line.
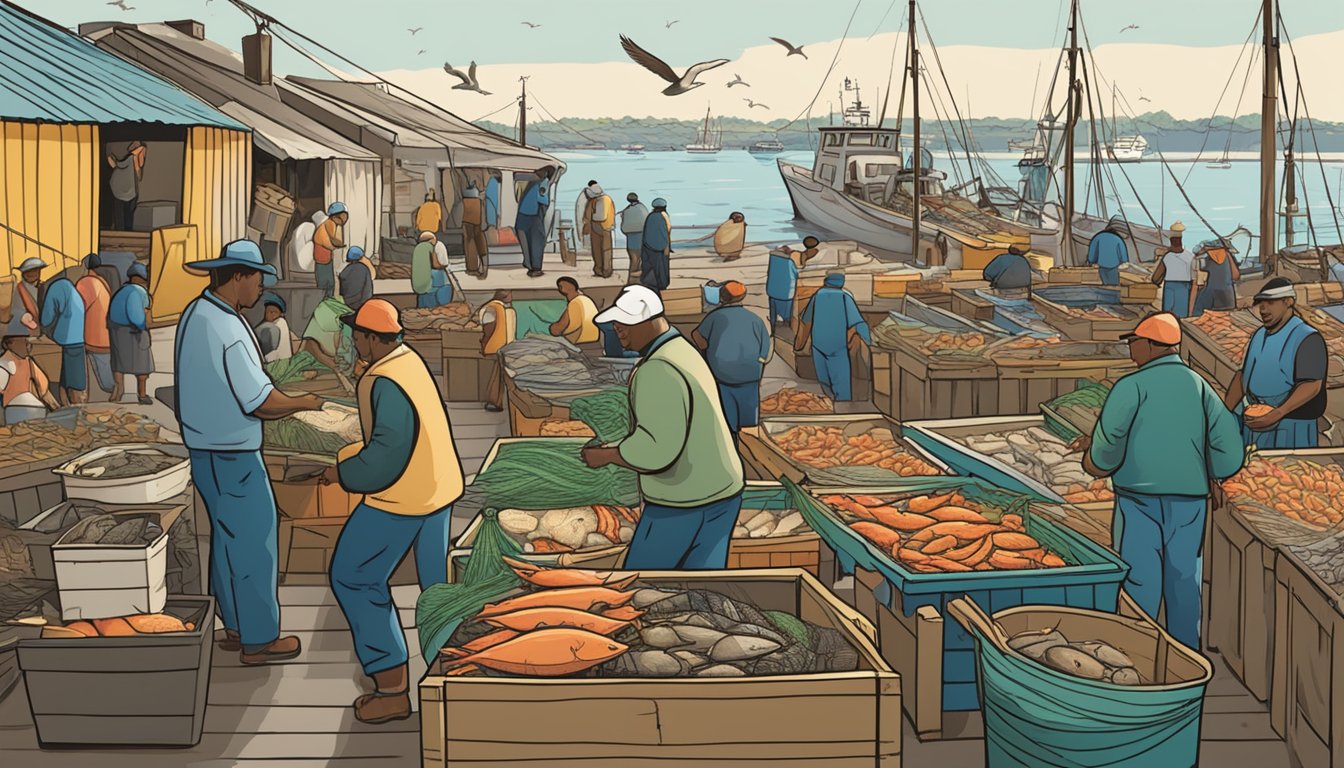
(854,159)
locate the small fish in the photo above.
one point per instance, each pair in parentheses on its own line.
(741,648)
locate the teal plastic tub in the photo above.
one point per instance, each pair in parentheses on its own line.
(1092,578)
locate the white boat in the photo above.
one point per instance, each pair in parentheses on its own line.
(1126,149)
(1020,145)
(633,149)
(1221,164)
(710,140)
(767,147)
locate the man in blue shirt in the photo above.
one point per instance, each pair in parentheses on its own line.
(128,334)
(1166,442)
(223,395)
(1009,271)
(530,225)
(827,321)
(63,321)
(655,246)
(781,279)
(1108,251)
(736,344)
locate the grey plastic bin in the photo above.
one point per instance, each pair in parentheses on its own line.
(147,690)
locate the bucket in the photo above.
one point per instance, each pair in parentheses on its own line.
(1037,717)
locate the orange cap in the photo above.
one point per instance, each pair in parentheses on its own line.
(376,315)
(734,289)
(1160,328)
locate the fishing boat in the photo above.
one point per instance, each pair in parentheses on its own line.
(710,140)
(766,147)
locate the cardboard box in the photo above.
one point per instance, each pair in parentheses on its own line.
(837,720)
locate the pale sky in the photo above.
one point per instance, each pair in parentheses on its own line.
(993,52)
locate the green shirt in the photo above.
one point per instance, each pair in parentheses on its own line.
(1164,431)
(679,442)
(422,266)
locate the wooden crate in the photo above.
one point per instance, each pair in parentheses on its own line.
(429,345)
(1136,287)
(28,488)
(1241,598)
(1080,328)
(761,453)
(466,372)
(1308,677)
(886,382)
(800,362)
(839,720)
(301,499)
(306,546)
(933,388)
(1204,354)
(1027,382)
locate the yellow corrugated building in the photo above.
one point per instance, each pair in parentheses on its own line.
(57,132)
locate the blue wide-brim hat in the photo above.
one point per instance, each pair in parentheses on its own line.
(240,253)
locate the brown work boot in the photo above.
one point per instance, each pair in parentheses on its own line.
(230,642)
(280,649)
(391,701)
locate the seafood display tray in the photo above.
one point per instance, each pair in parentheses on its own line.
(799,550)
(840,720)
(767,458)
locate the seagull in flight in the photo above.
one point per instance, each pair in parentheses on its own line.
(737,80)
(670,23)
(530,25)
(793,49)
(413,31)
(751,104)
(468,78)
(421,53)
(1131,26)
(679,83)
(122,5)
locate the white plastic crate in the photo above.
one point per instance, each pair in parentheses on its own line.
(98,581)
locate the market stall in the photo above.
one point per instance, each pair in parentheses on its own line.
(833,450)
(544,375)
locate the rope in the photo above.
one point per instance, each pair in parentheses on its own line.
(513,103)
(560,122)
(1311,126)
(834,60)
(938,62)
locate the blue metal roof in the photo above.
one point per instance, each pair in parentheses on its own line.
(51,75)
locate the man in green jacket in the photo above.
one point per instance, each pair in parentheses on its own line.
(1166,441)
(689,472)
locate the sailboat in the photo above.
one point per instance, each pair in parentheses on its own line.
(710,140)
(1124,149)
(862,187)
(1221,164)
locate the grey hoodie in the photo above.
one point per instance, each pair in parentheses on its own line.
(632,219)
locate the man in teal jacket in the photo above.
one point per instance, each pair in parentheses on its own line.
(826,322)
(690,475)
(1166,442)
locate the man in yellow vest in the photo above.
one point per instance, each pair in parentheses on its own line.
(599,220)
(408,470)
(499,324)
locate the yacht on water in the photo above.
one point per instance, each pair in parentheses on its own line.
(766,147)
(632,149)
(710,140)
(1020,145)
(1126,149)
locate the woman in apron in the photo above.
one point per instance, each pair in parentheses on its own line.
(1285,360)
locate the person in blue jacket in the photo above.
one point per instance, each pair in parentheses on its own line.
(781,279)
(656,248)
(1107,250)
(1285,368)
(63,321)
(827,321)
(530,224)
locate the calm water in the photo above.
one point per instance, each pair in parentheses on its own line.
(702,191)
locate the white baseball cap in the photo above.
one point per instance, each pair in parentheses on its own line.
(635,305)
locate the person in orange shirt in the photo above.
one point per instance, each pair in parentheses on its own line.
(93,289)
(329,236)
(25,391)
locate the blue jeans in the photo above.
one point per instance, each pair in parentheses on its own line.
(74,374)
(1109,275)
(531,231)
(741,404)
(243,523)
(1162,540)
(781,308)
(833,373)
(371,546)
(1176,298)
(683,538)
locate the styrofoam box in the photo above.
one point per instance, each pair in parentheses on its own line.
(98,581)
(140,489)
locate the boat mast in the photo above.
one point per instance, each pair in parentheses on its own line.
(1269,111)
(1289,186)
(1066,226)
(918,159)
(522,115)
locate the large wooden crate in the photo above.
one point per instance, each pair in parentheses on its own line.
(1308,678)
(466,372)
(1241,598)
(837,720)
(1026,382)
(925,385)
(1203,353)
(1136,287)
(762,454)
(802,549)
(1080,328)
(429,345)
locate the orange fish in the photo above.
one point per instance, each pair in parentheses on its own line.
(552,652)
(901,521)
(580,598)
(482,642)
(552,578)
(624,613)
(529,619)
(880,535)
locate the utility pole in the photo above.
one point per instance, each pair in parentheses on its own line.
(1269,116)
(918,159)
(1066,226)
(522,114)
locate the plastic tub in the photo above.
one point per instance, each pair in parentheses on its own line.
(141,489)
